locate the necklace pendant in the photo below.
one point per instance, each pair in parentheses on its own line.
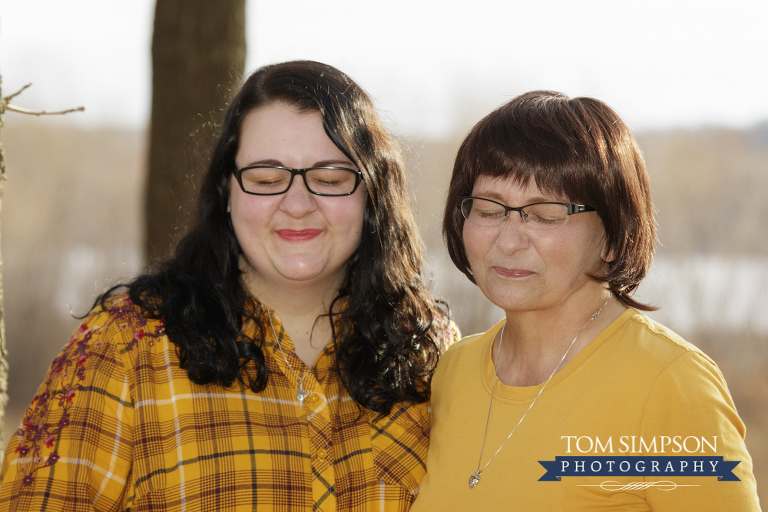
(300,397)
(474,479)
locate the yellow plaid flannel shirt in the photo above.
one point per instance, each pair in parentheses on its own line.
(118,425)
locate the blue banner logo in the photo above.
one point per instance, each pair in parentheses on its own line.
(639,466)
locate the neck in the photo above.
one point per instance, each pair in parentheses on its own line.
(536,341)
(301,308)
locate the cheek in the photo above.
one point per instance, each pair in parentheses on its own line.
(238,211)
(473,245)
(600,256)
(590,248)
(351,217)
(606,254)
(356,224)
(249,215)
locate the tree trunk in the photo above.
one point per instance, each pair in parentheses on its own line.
(198,52)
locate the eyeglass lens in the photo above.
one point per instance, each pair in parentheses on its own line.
(537,216)
(273,180)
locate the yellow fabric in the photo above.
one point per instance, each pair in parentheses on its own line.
(636,378)
(117,425)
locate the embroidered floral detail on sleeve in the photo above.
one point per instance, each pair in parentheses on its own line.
(128,316)
(50,409)
(39,435)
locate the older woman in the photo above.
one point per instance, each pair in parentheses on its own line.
(577,400)
(281,359)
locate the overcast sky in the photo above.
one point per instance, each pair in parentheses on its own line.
(433,67)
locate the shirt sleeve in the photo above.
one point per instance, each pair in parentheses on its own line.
(690,403)
(73,449)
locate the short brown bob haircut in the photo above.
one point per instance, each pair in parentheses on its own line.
(578,150)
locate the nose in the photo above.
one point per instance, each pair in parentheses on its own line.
(512,235)
(298,201)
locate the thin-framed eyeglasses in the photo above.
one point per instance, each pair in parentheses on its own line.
(271,180)
(546,215)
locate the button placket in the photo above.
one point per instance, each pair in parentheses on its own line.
(319,423)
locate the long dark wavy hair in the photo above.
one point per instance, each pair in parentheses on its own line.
(391,330)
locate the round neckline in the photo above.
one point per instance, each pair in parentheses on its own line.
(514,394)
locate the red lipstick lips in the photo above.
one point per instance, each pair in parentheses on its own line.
(300,235)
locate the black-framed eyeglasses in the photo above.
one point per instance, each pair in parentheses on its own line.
(547,215)
(270,180)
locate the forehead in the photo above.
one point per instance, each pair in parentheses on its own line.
(281,134)
(272,119)
(509,190)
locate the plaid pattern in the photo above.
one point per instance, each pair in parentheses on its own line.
(117,425)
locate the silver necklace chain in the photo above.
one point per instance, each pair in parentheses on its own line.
(301,392)
(475,478)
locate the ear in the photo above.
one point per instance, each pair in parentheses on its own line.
(608,256)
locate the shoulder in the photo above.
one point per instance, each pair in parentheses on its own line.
(100,342)
(105,340)
(461,355)
(655,358)
(449,334)
(469,344)
(120,321)
(679,375)
(659,346)
(463,346)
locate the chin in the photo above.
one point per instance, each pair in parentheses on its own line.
(506,295)
(302,275)
(307,273)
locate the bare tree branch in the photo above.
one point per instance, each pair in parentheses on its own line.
(9,98)
(5,105)
(42,112)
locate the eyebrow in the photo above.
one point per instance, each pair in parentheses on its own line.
(321,163)
(495,196)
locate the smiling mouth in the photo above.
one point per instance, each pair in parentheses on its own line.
(513,272)
(301,235)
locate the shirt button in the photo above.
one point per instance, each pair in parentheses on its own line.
(313,398)
(322,453)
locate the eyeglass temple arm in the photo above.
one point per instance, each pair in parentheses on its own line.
(578,208)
